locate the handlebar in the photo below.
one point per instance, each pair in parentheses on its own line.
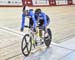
(27,26)
(31,27)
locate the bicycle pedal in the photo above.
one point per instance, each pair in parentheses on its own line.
(36,43)
(42,42)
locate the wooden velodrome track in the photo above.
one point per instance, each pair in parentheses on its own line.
(62,25)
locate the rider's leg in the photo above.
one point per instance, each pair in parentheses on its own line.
(30,22)
(34,38)
(40,26)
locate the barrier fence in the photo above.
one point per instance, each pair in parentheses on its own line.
(36,2)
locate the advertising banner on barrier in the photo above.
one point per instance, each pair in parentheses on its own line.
(70,2)
(73,1)
(40,2)
(47,2)
(36,2)
(10,2)
(27,2)
(52,2)
(61,2)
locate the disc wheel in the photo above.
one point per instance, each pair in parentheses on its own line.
(48,38)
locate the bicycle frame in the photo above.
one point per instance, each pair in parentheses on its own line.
(35,35)
(41,38)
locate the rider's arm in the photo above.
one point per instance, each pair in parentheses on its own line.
(34,20)
(23,22)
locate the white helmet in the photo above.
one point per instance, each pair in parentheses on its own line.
(26,8)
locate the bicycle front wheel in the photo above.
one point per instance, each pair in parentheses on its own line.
(26,45)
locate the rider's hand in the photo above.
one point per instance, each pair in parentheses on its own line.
(21,29)
(44,28)
(34,30)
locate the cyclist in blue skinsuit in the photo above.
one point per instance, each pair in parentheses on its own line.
(28,13)
(42,17)
(42,20)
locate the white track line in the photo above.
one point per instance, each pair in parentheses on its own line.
(58,45)
(12,31)
(16,32)
(22,34)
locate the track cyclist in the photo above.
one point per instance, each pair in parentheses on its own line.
(42,18)
(29,14)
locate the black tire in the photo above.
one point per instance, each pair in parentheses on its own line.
(48,38)
(25,47)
